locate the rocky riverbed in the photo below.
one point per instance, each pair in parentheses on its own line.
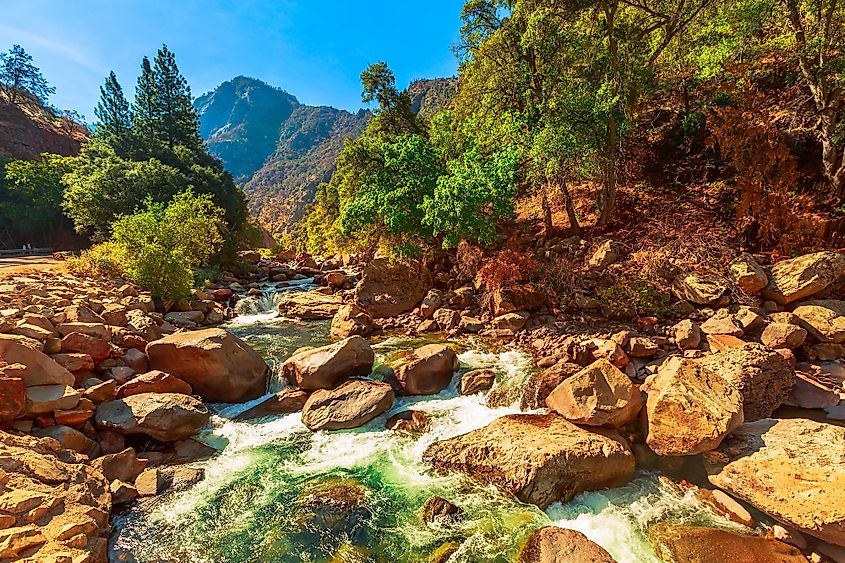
(388,412)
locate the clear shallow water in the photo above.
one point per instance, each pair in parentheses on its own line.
(278,492)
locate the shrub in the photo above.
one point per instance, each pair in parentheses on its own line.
(633,298)
(508,267)
(160,247)
(101,259)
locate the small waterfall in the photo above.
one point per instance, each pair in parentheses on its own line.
(268,301)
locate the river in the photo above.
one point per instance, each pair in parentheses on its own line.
(278,492)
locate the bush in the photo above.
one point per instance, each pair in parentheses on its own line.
(101,259)
(160,247)
(633,298)
(508,267)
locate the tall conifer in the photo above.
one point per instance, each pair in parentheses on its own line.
(178,123)
(145,109)
(114,119)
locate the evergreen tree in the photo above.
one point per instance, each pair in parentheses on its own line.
(19,77)
(178,123)
(145,107)
(114,120)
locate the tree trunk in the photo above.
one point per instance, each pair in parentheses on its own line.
(570,209)
(611,139)
(548,225)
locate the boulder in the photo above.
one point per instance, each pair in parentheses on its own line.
(81,314)
(323,368)
(762,376)
(167,417)
(540,458)
(432,301)
(350,405)
(510,322)
(68,438)
(687,334)
(153,382)
(412,422)
(540,385)
(429,371)
(309,305)
(606,254)
(598,395)
(791,469)
(32,331)
(218,365)
(98,349)
(441,512)
(690,409)
(798,278)
(447,319)
(74,362)
(559,545)
(185,319)
(747,274)
(388,289)
(477,380)
(516,298)
(40,368)
(722,322)
(351,320)
(138,322)
(681,542)
(825,319)
(94,330)
(782,335)
(42,399)
(121,466)
(67,504)
(695,288)
(284,402)
(608,350)
(12,398)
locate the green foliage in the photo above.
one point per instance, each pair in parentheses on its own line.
(30,198)
(150,153)
(161,246)
(19,78)
(472,196)
(633,297)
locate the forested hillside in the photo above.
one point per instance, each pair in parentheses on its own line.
(279,150)
(607,116)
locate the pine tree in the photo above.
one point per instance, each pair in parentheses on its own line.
(114,120)
(19,77)
(178,123)
(145,107)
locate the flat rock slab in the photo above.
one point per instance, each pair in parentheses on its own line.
(791,469)
(560,545)
(167,417)
(674,542)
(309,305)
(540,458)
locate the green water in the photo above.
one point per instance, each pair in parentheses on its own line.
(277,492)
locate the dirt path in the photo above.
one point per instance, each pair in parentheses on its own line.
(22,265)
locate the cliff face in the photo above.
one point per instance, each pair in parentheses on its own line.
(26,131)
(279,150)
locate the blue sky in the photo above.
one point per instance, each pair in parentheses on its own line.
(314,50)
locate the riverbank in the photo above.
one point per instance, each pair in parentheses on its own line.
(390,386)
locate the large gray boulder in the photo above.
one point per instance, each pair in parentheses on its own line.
(323,368)
(540,458)
(791,469)
(350,405)
(167,417)
(218,365)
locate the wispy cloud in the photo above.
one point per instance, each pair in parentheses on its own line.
(61,50)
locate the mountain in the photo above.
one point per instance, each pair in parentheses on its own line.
(309,142)
(279,150)
(240,120)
